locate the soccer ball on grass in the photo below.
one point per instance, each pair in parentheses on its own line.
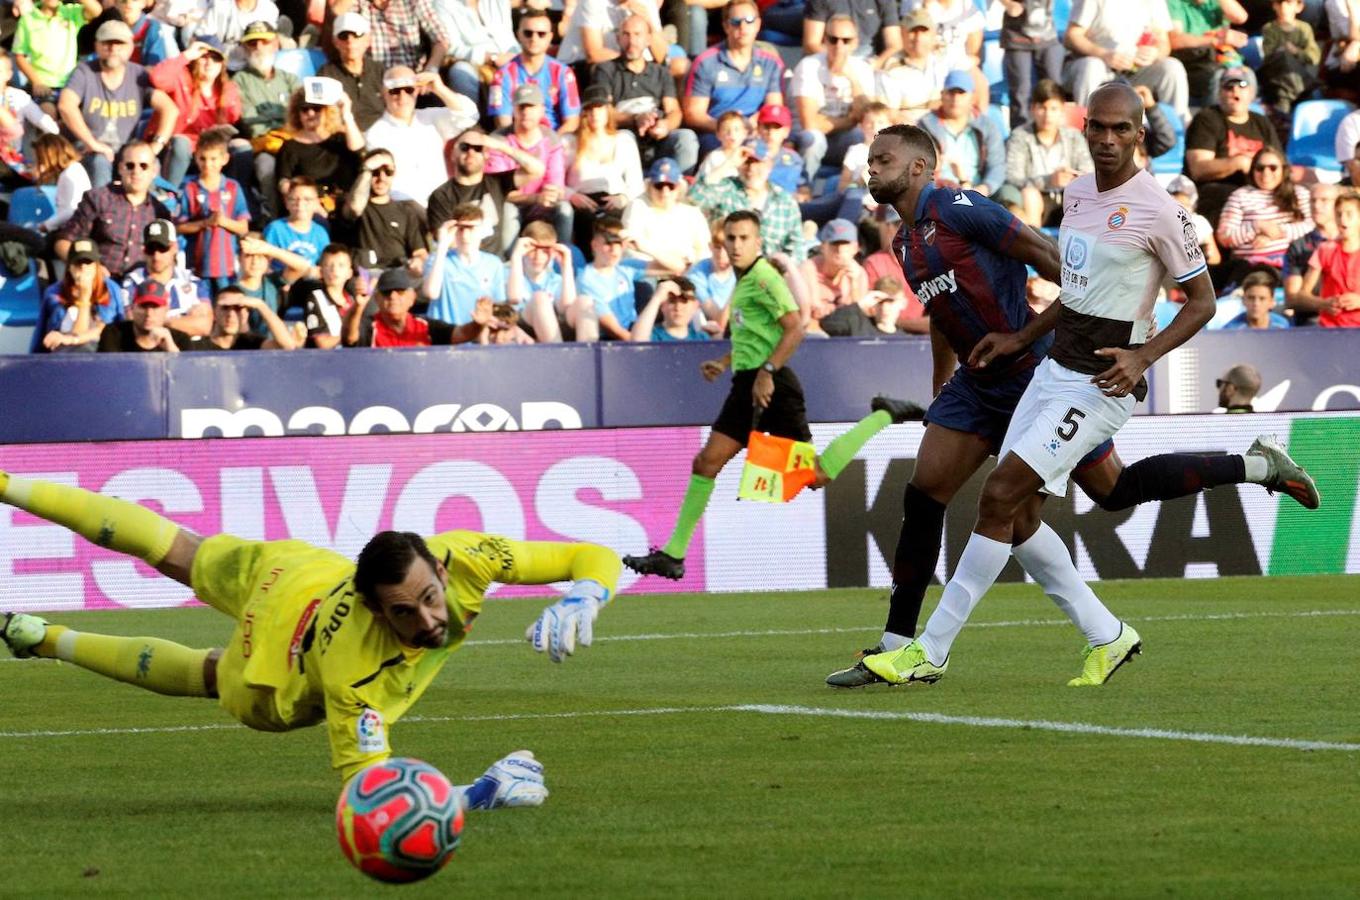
(399,820)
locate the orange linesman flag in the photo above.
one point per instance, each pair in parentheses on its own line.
(776,468)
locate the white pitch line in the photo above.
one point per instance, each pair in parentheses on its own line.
(1198,737)
(804,632)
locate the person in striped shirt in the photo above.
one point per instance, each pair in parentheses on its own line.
(1262,219)
(213,214)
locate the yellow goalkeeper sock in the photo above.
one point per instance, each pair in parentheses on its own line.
(106,521)
(151,663)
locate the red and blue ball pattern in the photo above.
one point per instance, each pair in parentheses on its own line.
(399,820)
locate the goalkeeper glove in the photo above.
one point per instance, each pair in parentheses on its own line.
(569,621)
(515,780)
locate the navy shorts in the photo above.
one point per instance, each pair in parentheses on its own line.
(984,408)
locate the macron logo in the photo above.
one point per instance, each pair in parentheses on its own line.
(962,200)
(940,284)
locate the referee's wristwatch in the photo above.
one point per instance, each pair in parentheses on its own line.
(768,366)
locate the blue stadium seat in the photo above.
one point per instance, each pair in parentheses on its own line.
(300,61)
(997,114)
(19,301)
(1171,162)
(30,205)
(1251,54)
(1312,138)
(992,71)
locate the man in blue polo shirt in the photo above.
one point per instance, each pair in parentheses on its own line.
(533,65)
(460,272)
(735,74)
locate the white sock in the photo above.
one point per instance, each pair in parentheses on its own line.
(1256,468)
(1047,561)
(978,568)
(892,641)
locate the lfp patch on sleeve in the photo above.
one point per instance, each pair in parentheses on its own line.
(371,732)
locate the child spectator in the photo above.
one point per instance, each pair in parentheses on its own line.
(1291,57)
(714,279)
(541,282)
(299,233)
(1258,304)
(1184,192)
(1332,284)
(17,109)
(724,162)
(678,305)
(460,272)
(57,161)
(213,213)
(327,301)
(1029,42)
(45,43)
(258,282)
(608,283)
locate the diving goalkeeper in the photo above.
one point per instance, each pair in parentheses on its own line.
(318,638)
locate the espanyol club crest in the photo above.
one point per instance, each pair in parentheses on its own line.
(928,233)
(1118,217)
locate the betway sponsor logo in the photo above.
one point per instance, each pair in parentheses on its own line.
(940,284)
(256,421)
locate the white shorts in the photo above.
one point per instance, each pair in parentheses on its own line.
(1061,417)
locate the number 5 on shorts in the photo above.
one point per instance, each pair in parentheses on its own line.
(1068,429)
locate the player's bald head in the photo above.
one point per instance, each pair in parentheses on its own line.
(1116,100)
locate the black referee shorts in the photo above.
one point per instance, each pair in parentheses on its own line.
(785,417)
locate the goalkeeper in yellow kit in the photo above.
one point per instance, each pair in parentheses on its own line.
(318,638)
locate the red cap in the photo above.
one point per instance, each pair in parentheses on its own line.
(775,114)
(150,293)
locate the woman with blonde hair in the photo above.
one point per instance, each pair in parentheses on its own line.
(607,173)
(198,84)
(57,161)
(325,147)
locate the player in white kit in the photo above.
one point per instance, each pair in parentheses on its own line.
(1121,235)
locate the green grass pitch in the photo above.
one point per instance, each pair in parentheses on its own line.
(690,753)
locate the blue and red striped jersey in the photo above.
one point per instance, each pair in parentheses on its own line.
(213,251)
(955,259)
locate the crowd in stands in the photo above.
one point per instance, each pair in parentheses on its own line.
(245,174)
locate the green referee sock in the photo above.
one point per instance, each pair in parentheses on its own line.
(843,449)
(691,511)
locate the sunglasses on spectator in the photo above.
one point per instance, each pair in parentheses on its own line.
(389,171)
(738,21)
(132,165)
(471,148)
(401,90)
(348,36)
(311,107)
(1235,83)
(664,185)
(840,38)
(1220,383)
(157,248)
(525,32)
(1266,167)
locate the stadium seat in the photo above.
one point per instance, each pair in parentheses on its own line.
(992,71)
(300,62)
(30,205)
(1251,53)
(1173,160)
(997,114)
(1312,137)
(19,301)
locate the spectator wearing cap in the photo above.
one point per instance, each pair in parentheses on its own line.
(1222,140)
(197,83)
(187,307)
(539,197)
(735,74)
(829,89)
(592,32)
(1043,156)
(1201,34)
(644,97)
(607,288)
(232,310)
(352,64)
(1332,283)
(153,40)
(104,99)
(394,325)
(667,232)
(144,330)
(227,21)
(264,87)
(972,152)
(482,39)
(1184,192)
(45,43)
(1323,202)
(911,82)
(1109,39)
(401,30)
(774,124)
(75,310)
(606,174)
(1029,44)
(115,216)
(416,137)
(676,304)
(324,147)
(877,28)
(555,81)
(370,219)
(781,224)
(833,275)
(470,183)
(459,272)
